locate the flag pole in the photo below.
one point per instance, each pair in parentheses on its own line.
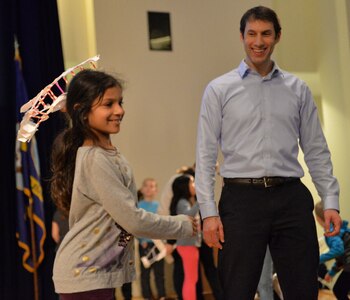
(30,215)
(32,190)
(33,249)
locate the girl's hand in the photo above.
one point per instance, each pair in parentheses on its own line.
(194,226)
(328,278)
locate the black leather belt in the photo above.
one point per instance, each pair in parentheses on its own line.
(265,182)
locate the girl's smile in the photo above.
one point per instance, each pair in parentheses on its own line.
(106,114)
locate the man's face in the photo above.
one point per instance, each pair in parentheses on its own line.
(259,40)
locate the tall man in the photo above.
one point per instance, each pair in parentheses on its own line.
(259,115)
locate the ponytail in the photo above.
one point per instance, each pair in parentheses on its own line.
(63,157)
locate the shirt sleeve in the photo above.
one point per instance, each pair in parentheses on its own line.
(108,188)
(208,136)
(316,153)
(165,198)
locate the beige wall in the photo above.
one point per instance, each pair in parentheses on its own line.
(164,89)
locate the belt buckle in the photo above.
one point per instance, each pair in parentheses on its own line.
(266,184)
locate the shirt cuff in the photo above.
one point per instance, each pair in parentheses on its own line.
(208,210)
(331,202)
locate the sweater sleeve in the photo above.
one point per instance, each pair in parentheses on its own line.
(108,187)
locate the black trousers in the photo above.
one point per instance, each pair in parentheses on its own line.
(342,286)
(127,290)
(280,217)
(178,274)
(158,269)
(211,273)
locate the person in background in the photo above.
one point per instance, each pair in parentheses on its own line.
(341,287)
(147,202)
(93,182)
(167,192)
(184,202)
(59,227)
(164,209)
(259,115)
(206,254)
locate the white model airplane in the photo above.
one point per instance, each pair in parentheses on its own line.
(38,108)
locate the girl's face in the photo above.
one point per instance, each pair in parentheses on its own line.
(191,187)
(106,114)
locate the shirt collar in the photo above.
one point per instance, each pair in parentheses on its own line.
(244,70)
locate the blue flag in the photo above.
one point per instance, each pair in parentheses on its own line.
(30,231)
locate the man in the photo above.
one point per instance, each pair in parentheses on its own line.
(259,114)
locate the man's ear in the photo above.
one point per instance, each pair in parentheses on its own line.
(278,37)
(241,37)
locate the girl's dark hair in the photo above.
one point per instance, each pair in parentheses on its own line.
(260,13)
(181,190)
(85,87)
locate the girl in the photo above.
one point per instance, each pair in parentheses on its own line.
(94,183)
(184,202)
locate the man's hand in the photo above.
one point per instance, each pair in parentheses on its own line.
(213,232)
(331,216)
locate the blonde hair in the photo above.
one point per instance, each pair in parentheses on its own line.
(149,179)
(319,210)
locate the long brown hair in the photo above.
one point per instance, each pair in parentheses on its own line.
(83,90)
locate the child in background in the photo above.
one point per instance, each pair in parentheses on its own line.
(335,244)
(184,202)
(94,183)
(149,191)
(59,227)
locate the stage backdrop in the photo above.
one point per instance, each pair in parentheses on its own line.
(36,26)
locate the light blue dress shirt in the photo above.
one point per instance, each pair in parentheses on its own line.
(259,123)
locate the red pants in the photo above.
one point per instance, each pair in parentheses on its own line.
(190,259)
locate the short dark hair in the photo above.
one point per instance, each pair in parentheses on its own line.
(260,13)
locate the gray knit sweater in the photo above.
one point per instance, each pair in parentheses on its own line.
(98,250)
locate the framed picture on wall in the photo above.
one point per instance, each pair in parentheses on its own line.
(159,31)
